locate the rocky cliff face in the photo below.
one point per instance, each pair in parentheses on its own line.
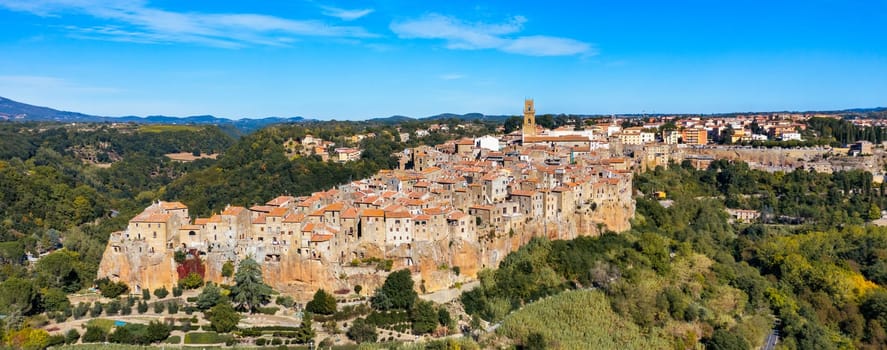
(137,267)
(432,262)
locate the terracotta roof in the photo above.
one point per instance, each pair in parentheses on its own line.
(320,238)
(372,213)
(173,205)
(201,221)
(308,227)
(334,207)
(350,213)
(482,207)
(522,193)
(294,218)
(397,214)
(278,211)
(190,228)
(422,217)
(233,210)
(260,219)
(433,211)
(261,208)
(281,200)
(456,215)
(153,218)
(215,218)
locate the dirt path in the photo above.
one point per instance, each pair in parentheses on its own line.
(448,295)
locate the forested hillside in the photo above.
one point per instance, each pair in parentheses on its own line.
(51,197)
(688,274)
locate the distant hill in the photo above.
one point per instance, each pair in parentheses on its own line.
(467,117)
(22,112)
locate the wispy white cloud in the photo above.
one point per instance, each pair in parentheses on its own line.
(345,15)
(137,21)
(48,83)
(452,76)
(461,35)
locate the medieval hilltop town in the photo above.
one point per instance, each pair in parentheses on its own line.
(463,205)
(451,210)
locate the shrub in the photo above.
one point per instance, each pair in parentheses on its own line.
(126,309)
(276,341)
(206,338)
(285,301)
(113,308)
(95,335)
(72,336)
(270,310)
(111,289)
(146,295)
(261,341)
(385,265)
(172,307)
(161,292)
(55,340)
(176,291)
(192,281)
(362,332)
(143,307)
(228,269)
(81,310)
(96,310)
(158,307)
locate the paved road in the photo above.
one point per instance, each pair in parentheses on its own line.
(771,341)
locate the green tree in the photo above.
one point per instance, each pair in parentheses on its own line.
(20,296)
(357,289)
(250,291)
(146,294)
(725,340)
(874,212)
(305,332)
(323,303)
(424,317)
(55,299)
(362,332)
(209,297)
(223,318)
(60,269)
(396,293)
(228,269)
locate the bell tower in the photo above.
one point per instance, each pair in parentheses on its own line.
(529,128)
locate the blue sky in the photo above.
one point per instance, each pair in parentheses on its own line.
(357,60)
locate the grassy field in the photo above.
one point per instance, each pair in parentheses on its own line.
(578,320)
(168,128)
(206,338)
